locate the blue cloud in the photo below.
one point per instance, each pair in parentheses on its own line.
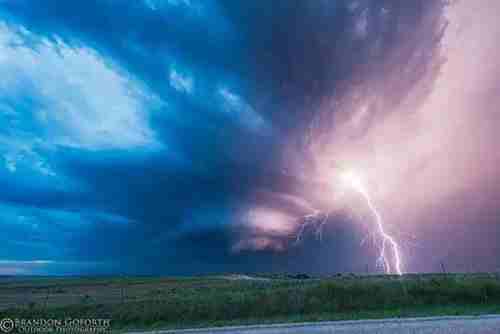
(77,98)
(134,131)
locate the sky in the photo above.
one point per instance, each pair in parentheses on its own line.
(184,137)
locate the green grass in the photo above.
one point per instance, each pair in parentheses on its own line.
(175,303)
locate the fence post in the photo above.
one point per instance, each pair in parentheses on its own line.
(122,289)
(47,298)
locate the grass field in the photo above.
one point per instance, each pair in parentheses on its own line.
(207,301)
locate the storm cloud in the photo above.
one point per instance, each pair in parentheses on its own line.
(183,137)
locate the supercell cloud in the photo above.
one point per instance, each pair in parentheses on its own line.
(185,136)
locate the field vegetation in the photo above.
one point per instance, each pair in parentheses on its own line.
(209,301)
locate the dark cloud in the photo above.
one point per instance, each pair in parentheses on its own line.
(142,133)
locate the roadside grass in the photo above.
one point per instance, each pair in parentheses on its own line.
(405,312)
(178,303)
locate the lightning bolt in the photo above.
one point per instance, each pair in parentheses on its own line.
(353,181)
(318,219)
